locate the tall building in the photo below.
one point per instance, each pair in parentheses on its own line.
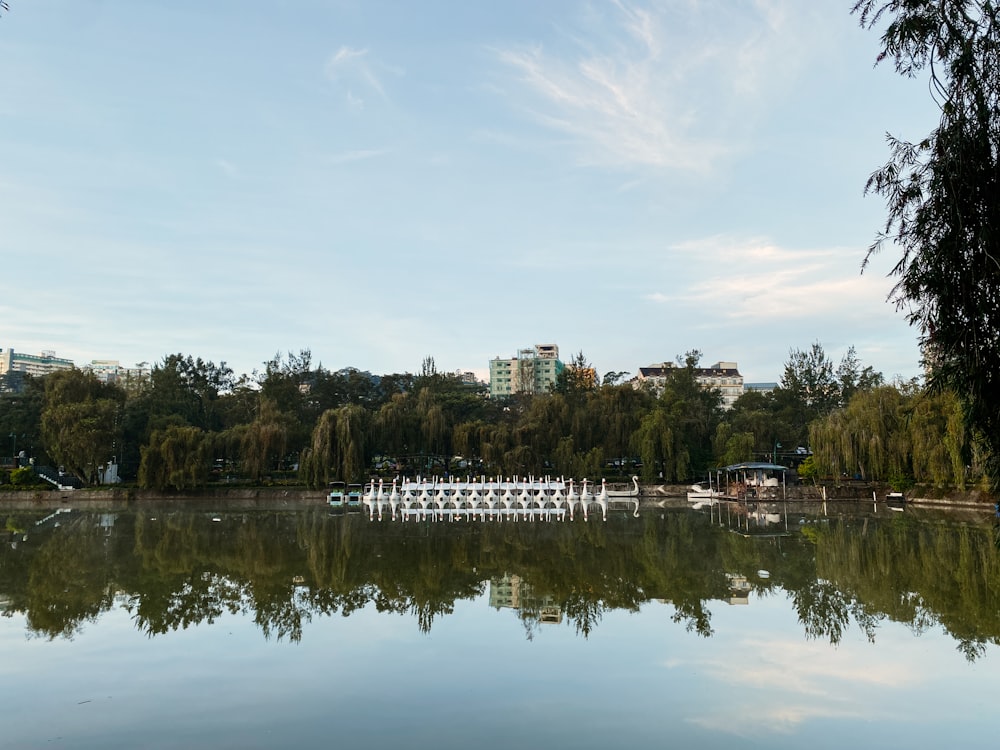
(32,364)
(722,376)
(531,371)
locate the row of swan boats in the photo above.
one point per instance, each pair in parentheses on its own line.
(482,498)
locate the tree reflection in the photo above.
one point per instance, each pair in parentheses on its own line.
(174,568)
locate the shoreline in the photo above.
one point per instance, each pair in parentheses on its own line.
(271,497)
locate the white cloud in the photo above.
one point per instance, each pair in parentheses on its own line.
(354,70)
(755,280)
(651,87)
(804,680)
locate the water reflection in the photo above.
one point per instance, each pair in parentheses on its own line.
(171,568)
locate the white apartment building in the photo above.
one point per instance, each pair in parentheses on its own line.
(32,364)
(111,371)
(722,376)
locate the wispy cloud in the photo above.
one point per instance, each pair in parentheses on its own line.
(355,71)
(227,167)
(806,681)
(657,87)
(755,280)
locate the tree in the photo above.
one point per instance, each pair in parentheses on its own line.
(576,379)
(809,376)
(177,458)
(941,194)
(81,421)
(852,377)
(264,441)
(186,388)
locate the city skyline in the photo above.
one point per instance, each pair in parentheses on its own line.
(379,183)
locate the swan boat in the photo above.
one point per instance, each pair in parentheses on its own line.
(485,498)
(698,493)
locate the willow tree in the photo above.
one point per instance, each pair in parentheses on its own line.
(621,408)
(941,194)
(869,438)
(657,444)
(495,443)
(264,441)
(315,464)
(397,427)
(544,423)
(176,458)
(352,432)
(338,446)
(435,430)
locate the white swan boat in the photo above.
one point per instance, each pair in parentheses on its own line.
(698,493)
(483,498)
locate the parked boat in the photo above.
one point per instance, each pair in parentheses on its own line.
(624,491)
(343,495)
(337,495)
(354,494)
(700,493)
(482,498)
(617,493)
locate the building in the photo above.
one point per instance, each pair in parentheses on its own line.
(32,364)
(760,387)
(531,371)
(722,376)
(111,371)
(469,378)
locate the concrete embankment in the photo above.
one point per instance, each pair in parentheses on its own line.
(119,499)
(854,491)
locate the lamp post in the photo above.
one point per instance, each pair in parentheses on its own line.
(13,448)
(774,454)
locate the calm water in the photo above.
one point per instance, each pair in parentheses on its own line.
(199,628)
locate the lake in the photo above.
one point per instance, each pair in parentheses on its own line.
(188,626)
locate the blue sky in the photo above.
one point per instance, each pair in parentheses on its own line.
(384,181)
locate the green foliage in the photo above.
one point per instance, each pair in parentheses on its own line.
(14,526)
(176,458)
(81,421)
(900,482)
(811,387)
(192,415)
(808,471)
(941,196)
(893,432)
(338,449)
(576,380)
(265,441)
(23,477)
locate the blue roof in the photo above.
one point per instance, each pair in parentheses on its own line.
(755,466)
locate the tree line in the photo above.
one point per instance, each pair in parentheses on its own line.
(192,422)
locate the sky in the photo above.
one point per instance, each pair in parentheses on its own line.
(379,182)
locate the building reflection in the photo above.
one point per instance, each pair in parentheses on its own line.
(513,592)
(739,589)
